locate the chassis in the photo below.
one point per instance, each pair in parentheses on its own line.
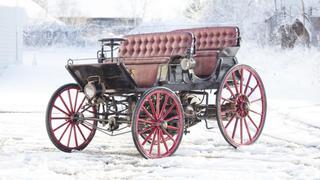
(157,87)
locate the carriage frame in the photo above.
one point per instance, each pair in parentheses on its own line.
(157,90)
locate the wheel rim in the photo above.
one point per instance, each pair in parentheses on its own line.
(66,130)
(158,124)
(241,106)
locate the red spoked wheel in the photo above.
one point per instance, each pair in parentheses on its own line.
(65,122)
(241,106)
(158,123)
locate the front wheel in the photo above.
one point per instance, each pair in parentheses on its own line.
(65,116)
(241,106)
(157,123)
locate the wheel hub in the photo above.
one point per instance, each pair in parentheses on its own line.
(77,118)
(242,105)
(164,125)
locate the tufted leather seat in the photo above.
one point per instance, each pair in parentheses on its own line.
(143,53)
(209,41)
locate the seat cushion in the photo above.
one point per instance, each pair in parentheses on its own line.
(142,54)
(206,62)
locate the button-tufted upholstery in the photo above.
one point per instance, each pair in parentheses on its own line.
(208,41)
(143,53)
(156,45)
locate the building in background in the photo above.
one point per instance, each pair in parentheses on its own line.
(11,35)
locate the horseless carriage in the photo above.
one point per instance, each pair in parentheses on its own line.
(159,85)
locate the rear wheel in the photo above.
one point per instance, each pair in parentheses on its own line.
(241,106)
(64,119)
(157,124)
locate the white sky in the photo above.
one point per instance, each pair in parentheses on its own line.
(154,9)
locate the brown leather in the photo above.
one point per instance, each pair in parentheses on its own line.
(206,62)
(151,60)
(214,38)
(211,39)
(144,75)
(164,44)
(142,53)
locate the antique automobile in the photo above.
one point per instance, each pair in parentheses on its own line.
(156,86)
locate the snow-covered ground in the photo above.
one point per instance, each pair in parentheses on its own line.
(289,147)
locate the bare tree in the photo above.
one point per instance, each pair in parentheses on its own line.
(194,9)
(69,9)
(138,10)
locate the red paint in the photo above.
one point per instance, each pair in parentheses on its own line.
(248,109)
(158,123)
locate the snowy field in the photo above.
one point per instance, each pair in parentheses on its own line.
(289,147)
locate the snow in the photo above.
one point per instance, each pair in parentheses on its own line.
(287,149)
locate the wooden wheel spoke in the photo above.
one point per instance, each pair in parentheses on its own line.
(235,82)
(168,111)
(158,136)
(146,121)
(241,79)
(85,109)
(70,100)
(241,133)
(84,98)
(164,141)
(145,130)
(148,137)
(70,135)
(84,138)
(172,128)
(248,82)
(252,90)
(158,105)
(235,128)
(230,121)
(65,105)
(147,112)
(229,89)
(153,139)
(254,124)
(60,126)
(86,127)
(224,99)
(75,135)
(75,101)
(61,110)
(256,100)
(60,118)
(172,118)
(165,103)
(255,112)
(247,128)
(64,132)
(169,135)
(152,107)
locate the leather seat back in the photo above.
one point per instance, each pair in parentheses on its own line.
(209,40)
(166,44)
(143,53)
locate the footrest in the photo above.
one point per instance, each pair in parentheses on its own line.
(113,75)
